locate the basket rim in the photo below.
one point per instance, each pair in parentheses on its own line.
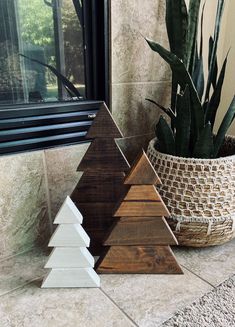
(198,160)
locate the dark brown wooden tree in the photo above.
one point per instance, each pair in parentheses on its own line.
(101,184)
(139,240)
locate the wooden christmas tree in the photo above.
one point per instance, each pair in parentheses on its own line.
(139,240)
(101,184)
(70,263)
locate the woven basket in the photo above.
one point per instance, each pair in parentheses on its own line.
(200,195)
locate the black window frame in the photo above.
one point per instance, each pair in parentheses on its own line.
(37,126)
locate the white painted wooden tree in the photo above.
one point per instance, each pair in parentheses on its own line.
(70,263)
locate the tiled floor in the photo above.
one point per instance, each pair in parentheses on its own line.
(123,300)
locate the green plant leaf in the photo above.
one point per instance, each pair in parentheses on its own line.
(198,77)
(183,77)
(198,73)
(219,13)
(204,145)
(167,111)
(183,125)
(214,102)
(70,88)
(166,140)
(194,6)
(201,37)
(177,24)
(79,11)
(227,121)
(215,70)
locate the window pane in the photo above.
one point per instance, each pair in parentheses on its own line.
(48,31)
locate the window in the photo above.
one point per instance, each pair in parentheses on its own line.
(53,71)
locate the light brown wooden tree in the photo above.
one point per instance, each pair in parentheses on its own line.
(139,240)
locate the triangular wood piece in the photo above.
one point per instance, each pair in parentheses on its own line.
(93,187)
(142,172)
(142,209)
(138,260)
(70,257)
(142,192)
(71,277)
(103,125)
(104,155)
(68,213)
(69,235)
(144,231)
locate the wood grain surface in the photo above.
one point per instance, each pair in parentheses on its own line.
(100,187)
(142,172)
(104,155)
(142,209)
(103,125)
(138,260)
(142,192)
(144,231)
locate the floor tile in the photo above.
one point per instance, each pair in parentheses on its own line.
(151,299)
(214,264)
(32,306)
(20,270)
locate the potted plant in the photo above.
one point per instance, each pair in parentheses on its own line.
(197,167)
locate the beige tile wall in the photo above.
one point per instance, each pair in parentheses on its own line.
(33,185)
(137,72)
(23,203)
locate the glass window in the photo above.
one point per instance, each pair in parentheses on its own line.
(34,34)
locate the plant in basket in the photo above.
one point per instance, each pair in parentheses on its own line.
(196,166)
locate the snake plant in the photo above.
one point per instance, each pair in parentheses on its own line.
(194,100)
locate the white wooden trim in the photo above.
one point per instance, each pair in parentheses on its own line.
(71,277)
(69,235)
(70,257)
(68,213)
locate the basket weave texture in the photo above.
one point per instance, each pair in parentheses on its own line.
(200,195)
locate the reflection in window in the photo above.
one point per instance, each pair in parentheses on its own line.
(48,31)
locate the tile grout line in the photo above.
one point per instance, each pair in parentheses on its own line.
(48,198)
(204,280)
(140,83)
(21,286)
(116,305)
(16,254)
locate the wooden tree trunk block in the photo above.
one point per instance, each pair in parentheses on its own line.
(100,187)
(104,155)
(138,260)
(144,231)
(142,209)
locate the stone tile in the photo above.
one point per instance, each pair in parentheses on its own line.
(21,269)
(32,306)
(133,114)
(23,205)
(151,299)
(62,172)
(214,264)
(132,58)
